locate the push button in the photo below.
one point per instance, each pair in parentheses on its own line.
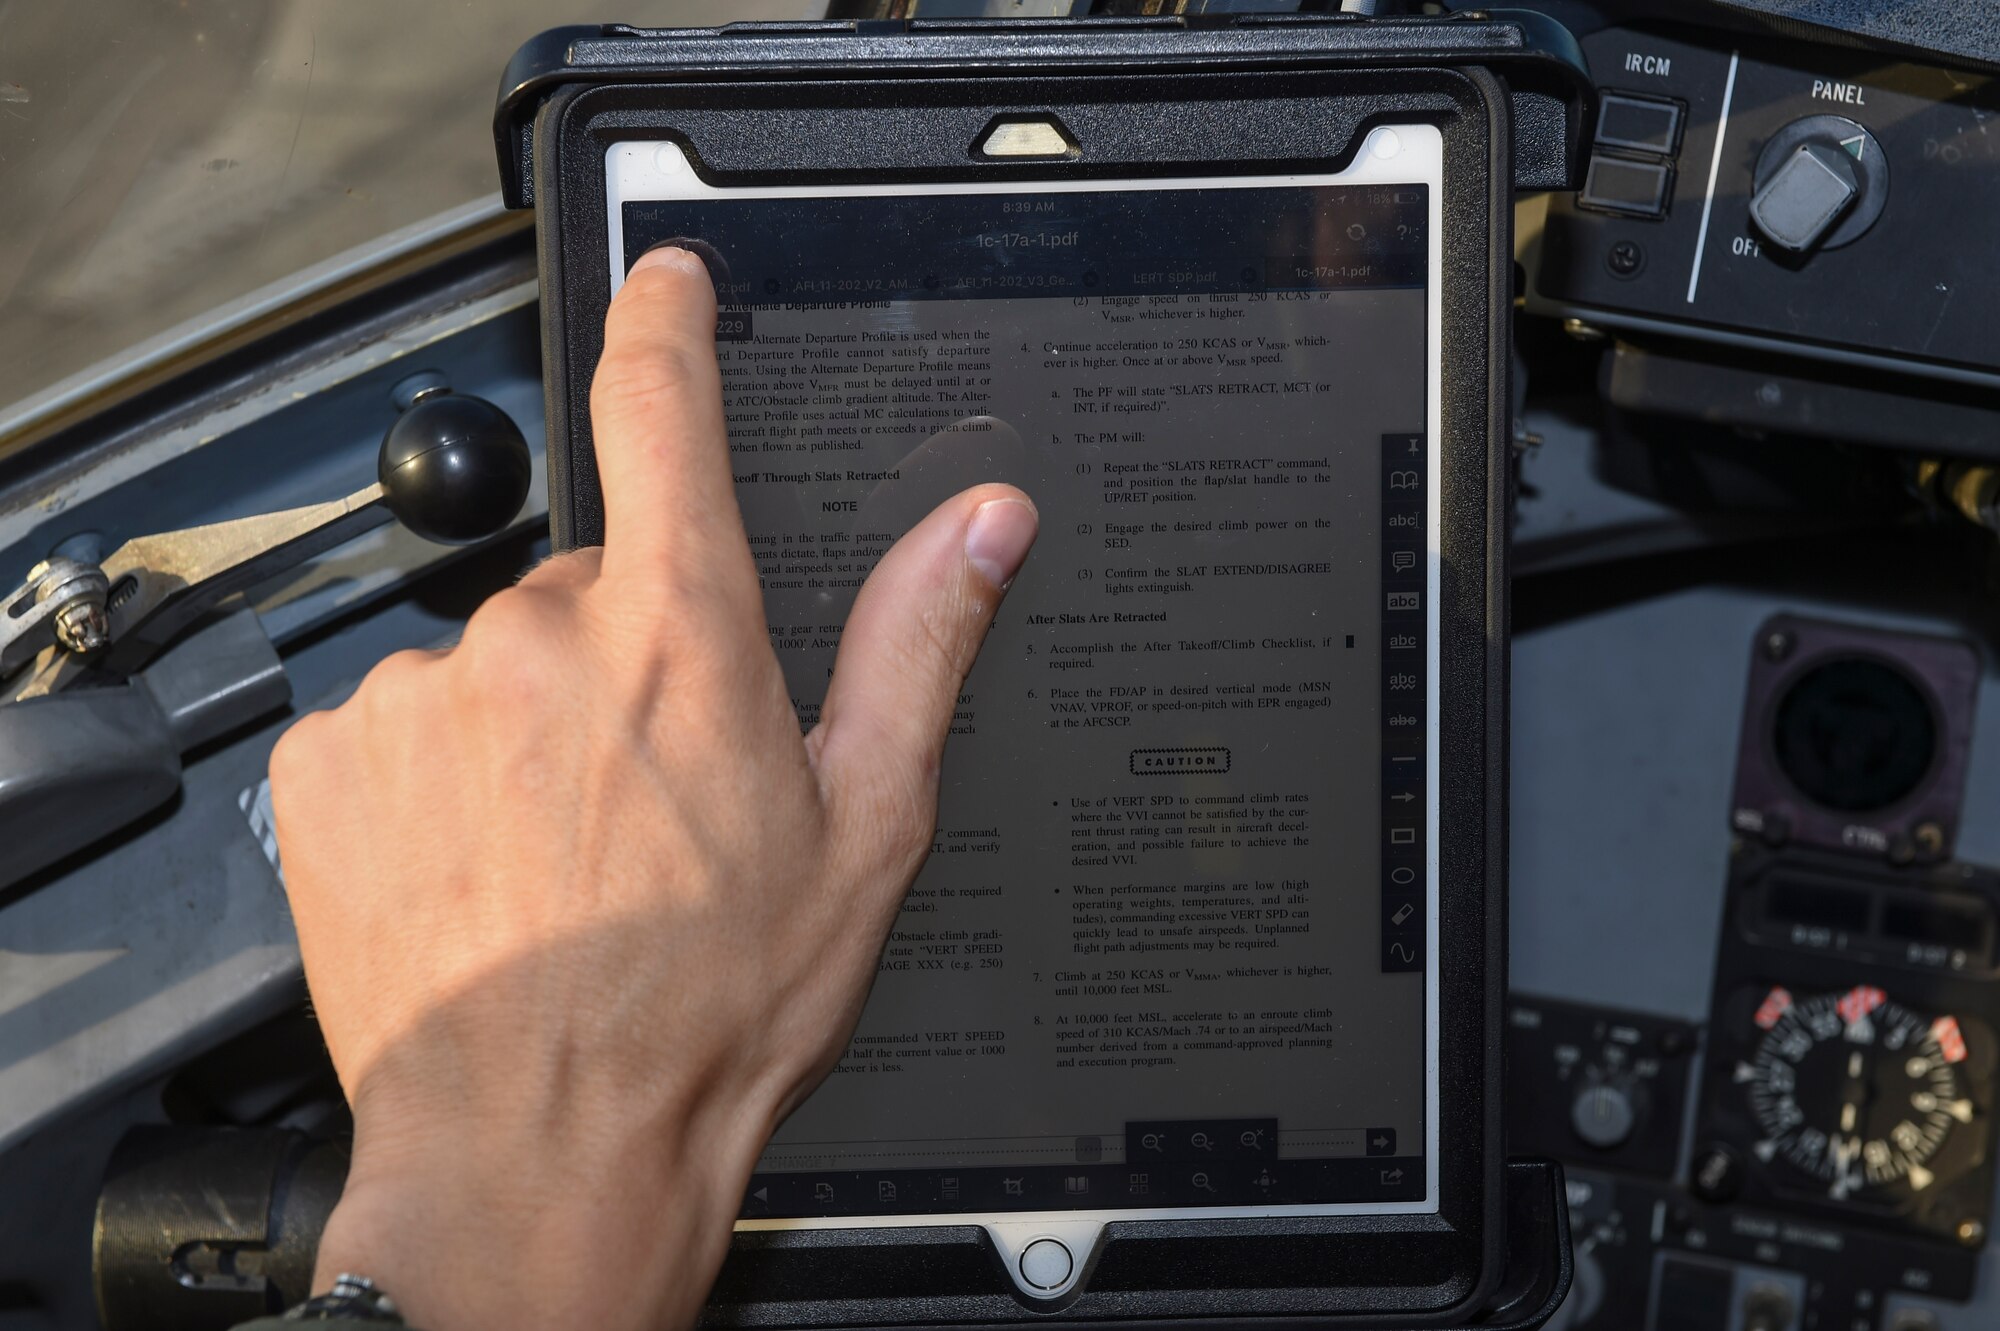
(1639,124)
(1636,189)
(1046,1264)
(1046,1258)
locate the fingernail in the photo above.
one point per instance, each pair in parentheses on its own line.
(997,540)
(671,256)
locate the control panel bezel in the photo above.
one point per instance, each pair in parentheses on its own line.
(1898,284)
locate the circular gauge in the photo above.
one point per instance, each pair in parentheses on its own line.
(1855,1091)
(1854,734)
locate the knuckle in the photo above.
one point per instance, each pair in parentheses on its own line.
(387,697)
(297,752)
(509,618)
(392,679)
(571,570)
(509,648)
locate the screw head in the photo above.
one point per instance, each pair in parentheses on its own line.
(1625,258)
(1778,645)
(78,596)
(1717,1174)
(1929,837)
(82,626)
(1971,1233)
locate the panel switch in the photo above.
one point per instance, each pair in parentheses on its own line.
(1799,204)
(1639,124)
(1636,189)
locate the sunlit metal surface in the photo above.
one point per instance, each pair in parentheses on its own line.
(164,161)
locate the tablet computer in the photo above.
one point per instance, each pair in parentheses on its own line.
(1170,958)
(1194,1009)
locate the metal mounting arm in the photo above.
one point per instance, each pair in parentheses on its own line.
(109,673)
(453,469)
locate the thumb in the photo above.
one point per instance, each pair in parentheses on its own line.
(910,639)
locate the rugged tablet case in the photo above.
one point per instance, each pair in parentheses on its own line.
(887,101)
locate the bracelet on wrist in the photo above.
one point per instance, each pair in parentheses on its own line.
(353,1298)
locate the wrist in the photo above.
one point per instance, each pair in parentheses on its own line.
(481,1228)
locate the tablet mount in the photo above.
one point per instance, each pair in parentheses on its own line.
(1547,89)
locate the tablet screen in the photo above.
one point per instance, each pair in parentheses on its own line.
(1171,951)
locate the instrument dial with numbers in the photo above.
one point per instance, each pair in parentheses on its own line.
(1855,1091)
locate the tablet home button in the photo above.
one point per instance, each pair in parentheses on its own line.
(1047,1257)
(1046,1264)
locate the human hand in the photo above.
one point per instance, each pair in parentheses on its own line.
(582,914)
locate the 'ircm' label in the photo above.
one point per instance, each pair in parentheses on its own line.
(1657,65)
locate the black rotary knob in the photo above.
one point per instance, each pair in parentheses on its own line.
(1819,184)
(1603,1115)
(454,469)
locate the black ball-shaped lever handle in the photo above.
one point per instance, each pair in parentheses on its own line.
(454,469)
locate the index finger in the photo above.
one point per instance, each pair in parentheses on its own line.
(661,439)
